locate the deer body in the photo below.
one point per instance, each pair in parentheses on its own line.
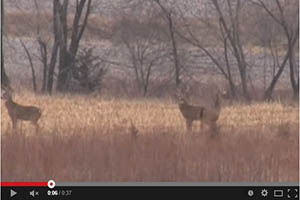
(211,115)
(19,112)
(206,115)
(190,113)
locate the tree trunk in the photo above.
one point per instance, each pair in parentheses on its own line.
(295,86)
(244,84)
(52,68)
(44,58)
(55,47)
(4,78)
(296,93)
(269,91)
(67,55)
(62,32)
(173,42)
(65,65)
(31,67)
(175,51)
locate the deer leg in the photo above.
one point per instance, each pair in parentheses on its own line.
(36,126)
(14,124)
(214,128)
(188,124)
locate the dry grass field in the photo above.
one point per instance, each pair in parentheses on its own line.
(99,139)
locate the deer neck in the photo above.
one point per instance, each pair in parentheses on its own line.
(183,102)
(9,102)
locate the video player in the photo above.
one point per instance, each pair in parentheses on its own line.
(149,98)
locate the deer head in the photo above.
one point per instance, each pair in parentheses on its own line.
(6,94)
(181,94)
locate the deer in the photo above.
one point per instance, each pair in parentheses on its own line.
(18,112)
(207,115)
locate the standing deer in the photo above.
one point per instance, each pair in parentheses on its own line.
(207,115)
(19,112)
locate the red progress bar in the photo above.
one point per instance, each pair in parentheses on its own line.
(24,184)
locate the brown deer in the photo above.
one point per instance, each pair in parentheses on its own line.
(207,115)
(20,112)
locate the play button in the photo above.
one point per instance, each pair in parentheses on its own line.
(12,193)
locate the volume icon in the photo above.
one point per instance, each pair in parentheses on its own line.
(33,193)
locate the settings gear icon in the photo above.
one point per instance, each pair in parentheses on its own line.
(264,192)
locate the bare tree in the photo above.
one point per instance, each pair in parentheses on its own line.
(284,13)
(67,53)
(218,31)
(44,60)
(35,28)
(34,85)
(231,27)
(145,50)
(168,17)
(139,34)
(64,49)
(4,78)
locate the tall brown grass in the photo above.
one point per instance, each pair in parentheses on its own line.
(93,139)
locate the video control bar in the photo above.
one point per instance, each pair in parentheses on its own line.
(181,192)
